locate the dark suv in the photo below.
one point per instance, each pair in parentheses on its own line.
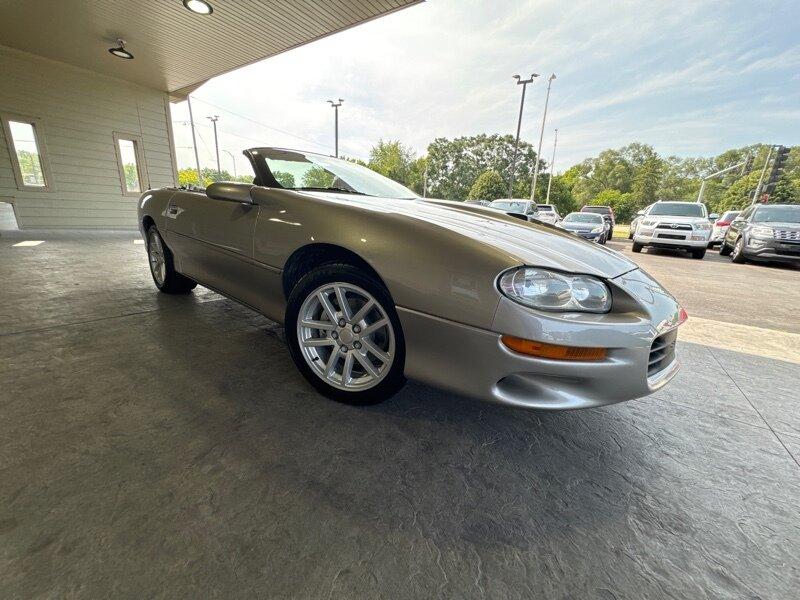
(764,232)
(608,214)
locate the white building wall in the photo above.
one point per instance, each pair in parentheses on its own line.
(78,113)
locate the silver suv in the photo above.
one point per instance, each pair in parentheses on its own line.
(676,225)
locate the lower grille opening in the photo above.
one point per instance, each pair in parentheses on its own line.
(662,352)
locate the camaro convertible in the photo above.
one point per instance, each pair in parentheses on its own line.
(375,285)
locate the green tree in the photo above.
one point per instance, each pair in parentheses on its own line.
(318,177)
(391,159)
(454,165)
(284,178)
(488,186)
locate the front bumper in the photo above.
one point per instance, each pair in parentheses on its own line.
(587,235)
(475,362)
(666,238)
(772,250)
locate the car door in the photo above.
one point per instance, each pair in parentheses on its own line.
(212,240)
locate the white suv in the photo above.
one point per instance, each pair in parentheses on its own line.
(677,225)
(548,213)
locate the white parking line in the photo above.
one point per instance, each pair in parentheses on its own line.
(27,243)
(769,343)
(139,242)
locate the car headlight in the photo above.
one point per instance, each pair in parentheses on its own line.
(702,226)
(598,229)
(762,232)
(647,223)
(559,292)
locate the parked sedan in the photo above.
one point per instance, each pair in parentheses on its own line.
(769,232)
(374,284)
(721,227)
(589,226)
(608,214)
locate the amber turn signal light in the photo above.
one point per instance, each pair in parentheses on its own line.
(554,351)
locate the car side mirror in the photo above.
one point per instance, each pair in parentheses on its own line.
(640,213)
(230,191)
(713,217)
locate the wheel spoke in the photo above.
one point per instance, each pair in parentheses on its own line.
(366,363)
(347,370)
(327,306)
(330,368)
(363,311)
(374,326)
(318,342)
(377,352)
(341,298)
(323,325)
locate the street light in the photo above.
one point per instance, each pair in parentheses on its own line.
(214,120)
(541,135)
(336,106)
(233,160)
(524,83)
(552,168)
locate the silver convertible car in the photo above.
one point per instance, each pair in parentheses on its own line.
(375,285)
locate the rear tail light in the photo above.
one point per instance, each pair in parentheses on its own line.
(722,223)
(683,316)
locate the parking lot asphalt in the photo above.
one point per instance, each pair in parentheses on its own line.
(166,446)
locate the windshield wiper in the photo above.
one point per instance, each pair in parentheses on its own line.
(330,189)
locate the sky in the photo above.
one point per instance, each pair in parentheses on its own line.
(690,77)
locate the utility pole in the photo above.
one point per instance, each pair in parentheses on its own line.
(425,181)
(524,83)
(541,135)
(214,120)
(552,168)
(336,106)
(761,179)
(194,143)
(233,160)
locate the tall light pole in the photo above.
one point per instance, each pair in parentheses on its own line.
(233,160)
(524,83)
(336,106)
(541,135)
(214,120)
(552,168)
(194,143)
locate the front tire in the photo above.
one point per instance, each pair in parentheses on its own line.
(724,249)
(344,335)
(162,266)
(737,255)
(637,247)
(699,253)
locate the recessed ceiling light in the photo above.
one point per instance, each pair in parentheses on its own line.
(120,51)
(201,7)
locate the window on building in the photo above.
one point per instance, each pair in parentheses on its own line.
(29,161)
(131,163)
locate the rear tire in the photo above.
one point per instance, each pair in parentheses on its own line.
(346,364)
(637,247)
(162,266)
(699,254)
(737,255)
(724,249)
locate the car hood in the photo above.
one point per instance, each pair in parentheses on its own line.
(531,243)
(778,224)
(580,226)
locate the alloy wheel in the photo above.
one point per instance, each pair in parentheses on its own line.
(346,336)
(155,253)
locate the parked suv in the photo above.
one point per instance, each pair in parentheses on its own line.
(518,206)
(548,213)
(676,225)
(608,214)
(764,232)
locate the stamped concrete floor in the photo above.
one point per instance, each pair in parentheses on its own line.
(155,446)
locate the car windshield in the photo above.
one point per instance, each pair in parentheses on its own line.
(308,171)
(678,209)
(600,210)
(511,206)
(583,218)
(777,214)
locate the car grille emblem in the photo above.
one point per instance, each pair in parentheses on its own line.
(674,225)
